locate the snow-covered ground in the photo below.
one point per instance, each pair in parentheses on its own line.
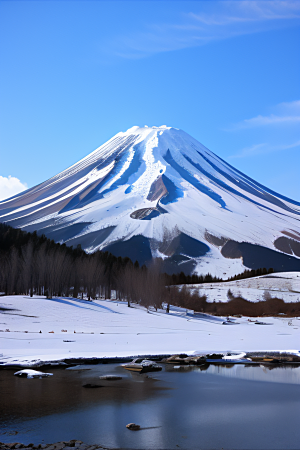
(285,285)
(38,329)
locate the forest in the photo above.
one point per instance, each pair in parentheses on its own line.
(35,265)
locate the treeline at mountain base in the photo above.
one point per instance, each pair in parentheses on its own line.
(182,278)
(34,265)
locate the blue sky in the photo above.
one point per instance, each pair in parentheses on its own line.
(75,73)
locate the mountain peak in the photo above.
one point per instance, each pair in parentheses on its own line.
(145,130)
(136,128)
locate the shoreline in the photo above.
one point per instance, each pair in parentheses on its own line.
(280,357)
(72,444)
(68,362)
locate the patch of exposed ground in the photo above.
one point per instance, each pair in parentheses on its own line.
(287,245)
(157,190)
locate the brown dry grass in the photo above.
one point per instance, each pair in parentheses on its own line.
(270,306)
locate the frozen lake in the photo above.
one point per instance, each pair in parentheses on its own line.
(232,407)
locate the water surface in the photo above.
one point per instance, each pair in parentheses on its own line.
(209,407)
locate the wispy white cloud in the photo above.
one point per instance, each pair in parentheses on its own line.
(215,21)
(269,120)
(261,149)
(10,186)
(250,11)
(289,107)
(285,114)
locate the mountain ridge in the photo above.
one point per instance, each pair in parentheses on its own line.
(158,192)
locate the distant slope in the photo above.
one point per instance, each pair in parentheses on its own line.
(284,285)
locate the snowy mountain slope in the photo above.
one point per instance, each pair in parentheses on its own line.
(156,191)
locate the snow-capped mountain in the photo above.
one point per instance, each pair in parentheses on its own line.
(157,192)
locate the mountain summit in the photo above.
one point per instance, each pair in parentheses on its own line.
(157,192)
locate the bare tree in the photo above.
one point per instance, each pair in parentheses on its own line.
(13,266)
(40,269)
(27,268)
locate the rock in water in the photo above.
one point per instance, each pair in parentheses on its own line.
(133,426)
(32,373)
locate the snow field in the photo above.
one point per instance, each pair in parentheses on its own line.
(72,328)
